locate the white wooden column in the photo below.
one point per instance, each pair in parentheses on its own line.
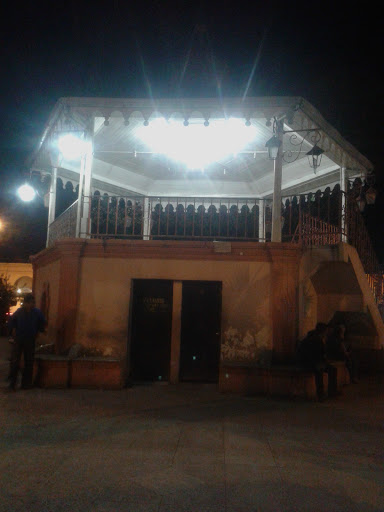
(146,219)
(52,201)
(262,220)
(80,196)
(278,174)
(84,204)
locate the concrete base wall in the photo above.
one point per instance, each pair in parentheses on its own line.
(271,293)
(46,290)
(92,284)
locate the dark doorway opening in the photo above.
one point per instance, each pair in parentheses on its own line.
(151,329)
(200,331)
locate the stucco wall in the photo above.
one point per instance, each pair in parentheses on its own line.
(272,294)
(328,304)
(105,294)
(308,299)
(47,280)
(307,307)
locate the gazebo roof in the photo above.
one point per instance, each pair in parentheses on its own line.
(124,161)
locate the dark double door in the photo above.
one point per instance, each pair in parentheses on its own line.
(200,331)
(152,328)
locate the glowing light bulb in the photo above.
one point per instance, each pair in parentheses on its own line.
(200,145)
(26,193)
(71,147)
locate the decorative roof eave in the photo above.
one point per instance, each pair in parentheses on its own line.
(302,113)
(272,104)
(345,154)
(78,111)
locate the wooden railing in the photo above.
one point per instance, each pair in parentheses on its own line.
(317,232)
(313,231)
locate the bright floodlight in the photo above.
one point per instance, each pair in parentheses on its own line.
(26,193)
(197,145)
(71,147)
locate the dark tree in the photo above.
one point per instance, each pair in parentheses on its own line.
(7,299)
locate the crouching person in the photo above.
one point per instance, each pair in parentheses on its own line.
(24,325)
(312,356)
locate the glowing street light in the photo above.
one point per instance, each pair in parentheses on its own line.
(314,157)
(26,193)
(197,144)
(273,146)
(71,147)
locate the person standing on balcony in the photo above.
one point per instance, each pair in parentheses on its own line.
(312,356)
(24,326)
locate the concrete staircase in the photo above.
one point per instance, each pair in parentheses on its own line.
(338,291)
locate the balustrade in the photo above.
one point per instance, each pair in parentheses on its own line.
(321,218)
(180,218)
(64,226)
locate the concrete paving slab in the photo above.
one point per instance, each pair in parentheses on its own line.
(186,447)
(250,487)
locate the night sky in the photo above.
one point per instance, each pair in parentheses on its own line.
(160,48)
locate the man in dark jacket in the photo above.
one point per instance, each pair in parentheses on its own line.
(24,326)
(312,355)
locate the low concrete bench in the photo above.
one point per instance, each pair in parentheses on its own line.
(277,380)
(96,373)
(293,381)
(54,371)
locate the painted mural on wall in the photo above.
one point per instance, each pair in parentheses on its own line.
(251,346)
(247,334)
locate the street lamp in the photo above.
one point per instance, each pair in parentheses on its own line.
(26,193)
(314,157)
(71,147)
(311,135)
(273,146)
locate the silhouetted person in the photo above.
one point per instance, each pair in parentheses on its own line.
(338,350)
(312,356)
(24,326)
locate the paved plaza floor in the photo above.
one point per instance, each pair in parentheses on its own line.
(189,448)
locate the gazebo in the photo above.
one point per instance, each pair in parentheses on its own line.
(186,241)
(190,149)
